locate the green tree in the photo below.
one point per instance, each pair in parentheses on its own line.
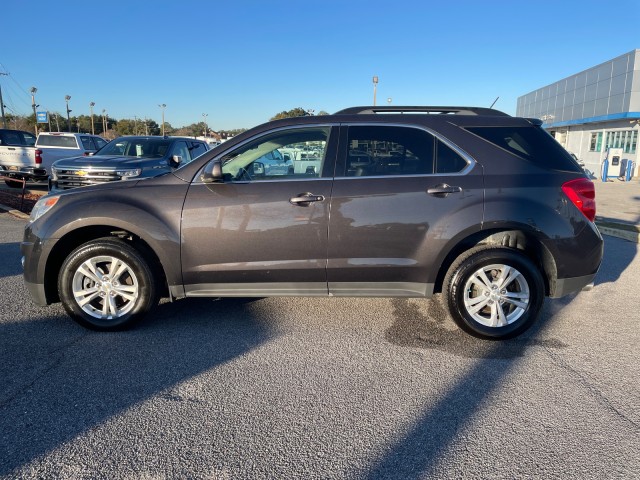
(296,112)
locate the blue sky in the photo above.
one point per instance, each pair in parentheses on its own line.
(241,62)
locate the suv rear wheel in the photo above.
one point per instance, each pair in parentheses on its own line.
(494,292)
(106,284)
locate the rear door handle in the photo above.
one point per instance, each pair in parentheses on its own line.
(306,199)
(442,190)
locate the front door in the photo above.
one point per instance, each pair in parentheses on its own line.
(263,230)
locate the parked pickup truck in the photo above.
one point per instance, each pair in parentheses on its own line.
(125,158)
(19,157)
(32,158)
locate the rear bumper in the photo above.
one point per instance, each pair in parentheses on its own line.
(25,172)
(565,286)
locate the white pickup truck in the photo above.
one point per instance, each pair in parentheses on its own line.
(22,156)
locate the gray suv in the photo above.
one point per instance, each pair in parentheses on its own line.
(484,207)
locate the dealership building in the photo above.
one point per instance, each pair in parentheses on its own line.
(595,113)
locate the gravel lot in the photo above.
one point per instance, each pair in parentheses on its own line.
(321,388)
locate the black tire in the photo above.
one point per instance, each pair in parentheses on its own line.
(13,183)
(502,308)
(114,280)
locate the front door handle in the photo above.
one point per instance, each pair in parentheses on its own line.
(442,190)
(306,199)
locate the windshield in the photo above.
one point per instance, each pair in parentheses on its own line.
(136,147)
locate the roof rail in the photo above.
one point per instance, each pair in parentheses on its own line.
(423,109)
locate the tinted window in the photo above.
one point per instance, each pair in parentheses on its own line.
(29,140)
(11,138)
(57,141)
(137,147)
(294,154)
(531,143)
(197,149)
(99,142)
(87,143)
(382,150)
(181,149)
(447,160)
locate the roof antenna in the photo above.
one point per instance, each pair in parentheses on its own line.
(494,102)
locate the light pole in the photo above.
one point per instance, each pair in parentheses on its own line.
(104,121)
(66,99)
(163,106)
(33,105)
(206,127)
(375,86)
(91,105)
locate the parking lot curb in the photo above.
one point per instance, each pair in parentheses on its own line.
(620,230)
(14,212)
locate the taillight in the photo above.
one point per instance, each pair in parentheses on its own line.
(38,157)
(582,193)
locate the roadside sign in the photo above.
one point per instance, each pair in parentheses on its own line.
(42,117)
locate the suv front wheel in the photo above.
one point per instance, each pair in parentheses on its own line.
(106,284)
(493,292)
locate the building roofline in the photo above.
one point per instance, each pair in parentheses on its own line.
(599,119)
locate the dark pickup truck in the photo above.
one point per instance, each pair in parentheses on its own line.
(125,158)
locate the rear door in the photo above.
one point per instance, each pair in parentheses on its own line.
(401,194)
(261,232)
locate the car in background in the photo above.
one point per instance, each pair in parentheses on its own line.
(125,158)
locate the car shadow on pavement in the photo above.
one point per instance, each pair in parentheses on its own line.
(42,406)
(419,451)
(9,268)
(618,255)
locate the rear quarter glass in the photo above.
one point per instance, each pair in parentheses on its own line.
(531,143)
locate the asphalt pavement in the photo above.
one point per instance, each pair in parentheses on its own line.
(321,388)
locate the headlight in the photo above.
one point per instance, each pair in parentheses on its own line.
(42,206)
(128,173)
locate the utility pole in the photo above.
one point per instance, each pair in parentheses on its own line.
(4,121)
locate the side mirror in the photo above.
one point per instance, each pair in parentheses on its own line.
(175,161)
(212,173)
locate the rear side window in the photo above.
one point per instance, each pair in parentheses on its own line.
(530,143)
(29,140)
(57,141)
(389,150)
(99,142)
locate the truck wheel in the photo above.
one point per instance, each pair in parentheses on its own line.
(107,285)
(494,293)
(13,183)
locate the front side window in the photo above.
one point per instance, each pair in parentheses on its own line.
(181,150)
(99,142)
(196,149)
(87,143)
(292,154)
